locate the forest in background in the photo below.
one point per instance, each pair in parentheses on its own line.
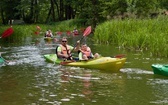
(85,12)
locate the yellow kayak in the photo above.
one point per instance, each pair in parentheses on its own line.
(48,38)
(102,63)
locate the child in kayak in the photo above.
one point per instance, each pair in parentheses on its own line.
(86,54)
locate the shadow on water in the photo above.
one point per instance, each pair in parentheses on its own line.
(30,80)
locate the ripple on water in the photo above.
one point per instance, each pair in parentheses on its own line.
(27,55)
(65,99)
(135,71)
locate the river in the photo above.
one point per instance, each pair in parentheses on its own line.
(29,80)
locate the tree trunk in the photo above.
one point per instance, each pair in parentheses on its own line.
(95,13)
(31,11)
(2,15)
(58,11)
(68,12)
(52,10)
(48,16)
(36,12)
(61,10)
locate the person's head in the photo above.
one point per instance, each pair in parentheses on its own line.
(49,31)
(64,41)
(84,47)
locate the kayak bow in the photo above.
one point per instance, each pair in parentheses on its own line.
(160,69)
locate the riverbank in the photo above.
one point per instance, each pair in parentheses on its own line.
(135,35)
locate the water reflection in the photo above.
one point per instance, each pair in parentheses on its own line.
(86,79)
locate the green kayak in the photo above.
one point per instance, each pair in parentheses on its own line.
(1,60)
(160,69)
(102,63)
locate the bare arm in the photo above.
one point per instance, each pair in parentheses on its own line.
(77,48)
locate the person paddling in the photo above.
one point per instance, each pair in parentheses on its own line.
(63,51)
(75,32)
(48,34)
(86,54)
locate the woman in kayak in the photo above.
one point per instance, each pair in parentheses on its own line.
(86,54)
(64,50)
(48,34)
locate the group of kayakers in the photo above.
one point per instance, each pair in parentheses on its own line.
(64,50)
(49,33)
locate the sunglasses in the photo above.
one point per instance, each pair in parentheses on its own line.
(64,41)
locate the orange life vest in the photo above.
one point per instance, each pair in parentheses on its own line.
(87,52)
(65,50)
(48,34)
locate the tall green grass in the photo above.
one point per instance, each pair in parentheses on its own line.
(133,34)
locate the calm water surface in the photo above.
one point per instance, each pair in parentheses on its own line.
(29,80)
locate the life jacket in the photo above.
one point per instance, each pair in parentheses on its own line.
(48,35)
(88,53)
(65,50)
(75,32)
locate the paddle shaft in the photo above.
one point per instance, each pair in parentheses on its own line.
(77,43)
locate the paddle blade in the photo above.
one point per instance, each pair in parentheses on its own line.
(7,32)
(68,32)
(87,31)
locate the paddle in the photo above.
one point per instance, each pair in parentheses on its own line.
(65,62)
(119,56)
(7,32)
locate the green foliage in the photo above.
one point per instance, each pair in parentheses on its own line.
(91,12)
(135,34)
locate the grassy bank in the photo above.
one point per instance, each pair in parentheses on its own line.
(149,34)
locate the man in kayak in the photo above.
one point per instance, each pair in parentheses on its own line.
(64,50)
(86,54)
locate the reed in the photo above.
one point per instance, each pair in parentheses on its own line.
(134,34)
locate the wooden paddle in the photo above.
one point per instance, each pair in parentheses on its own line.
(7,32)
